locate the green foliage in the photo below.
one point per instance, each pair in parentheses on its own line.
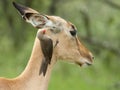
(17,38)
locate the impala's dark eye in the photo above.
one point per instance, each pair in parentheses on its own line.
(73,32)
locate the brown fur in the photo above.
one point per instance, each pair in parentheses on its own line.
(68,48)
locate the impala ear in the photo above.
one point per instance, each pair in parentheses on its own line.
(31,16)
(47,50)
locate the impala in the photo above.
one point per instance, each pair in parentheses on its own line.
(56,39)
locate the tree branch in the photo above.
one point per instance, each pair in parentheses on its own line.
(89,39)
(102,45)
(52,8)
(112,4)
(87,23)
(10,20)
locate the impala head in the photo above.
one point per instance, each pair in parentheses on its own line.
(58,36)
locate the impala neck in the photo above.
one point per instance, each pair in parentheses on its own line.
(31,74)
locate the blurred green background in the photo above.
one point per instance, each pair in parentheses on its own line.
(98,23)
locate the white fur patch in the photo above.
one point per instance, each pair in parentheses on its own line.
(49,23)
(33,22)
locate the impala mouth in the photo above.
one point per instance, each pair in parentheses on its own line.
(84,62)
(88,63)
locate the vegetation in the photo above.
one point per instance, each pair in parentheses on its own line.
(98,26)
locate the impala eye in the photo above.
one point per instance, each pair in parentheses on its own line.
(73,30)
(73,33)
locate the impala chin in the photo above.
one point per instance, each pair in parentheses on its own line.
(84,62)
